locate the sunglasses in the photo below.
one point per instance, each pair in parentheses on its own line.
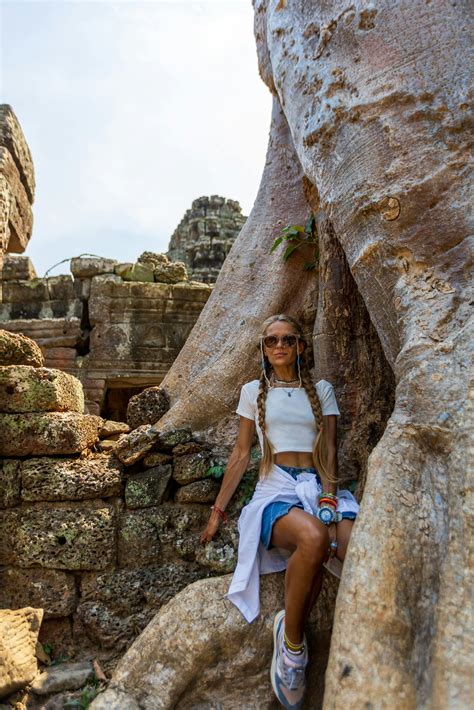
(288,341)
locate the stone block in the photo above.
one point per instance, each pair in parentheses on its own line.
(24,388)
(147,488)
(171,273)
(17,349)
(115,606)
(18,636)
(48,332)
(56,634)
(123,268)
(53,479)
(191,467)
(204,491)
(52,297)
(169,440)
(12,137)
(156,459)
(50,433)
(139,272)
(132,447)
(10,483)
(71,536)
(111,428)
(17,268)
(87,266)
(64,676)
(47,589)
(190,448)
(147,407)
(153,258)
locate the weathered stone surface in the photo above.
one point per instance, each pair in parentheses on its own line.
(51,590)
(53,479)
(70,536)
(52,297)
(147,407)
(65,676)
(147,488)
(12,137)
(49,333)
(219,657)
(169,440)
(18,636)
(107,445)
(122,268)
(50,433)
(132,447)
(87,266)
(204,491)
(191,467)
(191,448)
(156,459)
(57,634)
(111,428)
(116,605)
(153,534)
(205,235)
(171,273)
(17,268)
(24,388)
(17,216)
(10,483)
(16,349)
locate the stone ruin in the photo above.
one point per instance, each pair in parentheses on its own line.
(205,235)
(117,327)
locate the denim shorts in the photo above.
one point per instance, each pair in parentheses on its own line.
(274,511)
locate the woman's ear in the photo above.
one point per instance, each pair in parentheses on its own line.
(301,346)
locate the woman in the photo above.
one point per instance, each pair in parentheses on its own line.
(296,517)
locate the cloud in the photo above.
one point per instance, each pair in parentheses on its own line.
(132,110)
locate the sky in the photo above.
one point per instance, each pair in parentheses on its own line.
(131,109)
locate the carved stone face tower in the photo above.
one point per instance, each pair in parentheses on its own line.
(205,235)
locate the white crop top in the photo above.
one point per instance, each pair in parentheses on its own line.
(289,421)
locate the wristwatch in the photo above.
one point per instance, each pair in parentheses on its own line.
(327,515)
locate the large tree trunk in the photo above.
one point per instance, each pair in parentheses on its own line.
(374,97)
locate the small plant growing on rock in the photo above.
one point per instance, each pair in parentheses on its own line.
(296,236)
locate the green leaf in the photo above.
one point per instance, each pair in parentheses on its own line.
(289,250)
(276,243)
(293,229)
(216,471)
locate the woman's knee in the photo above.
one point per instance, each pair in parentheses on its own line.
(313,540)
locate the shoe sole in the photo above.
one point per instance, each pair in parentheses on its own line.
(276,624)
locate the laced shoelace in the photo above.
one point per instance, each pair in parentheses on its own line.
(293,678)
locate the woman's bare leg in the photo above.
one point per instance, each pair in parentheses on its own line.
(307,538)
(343,532)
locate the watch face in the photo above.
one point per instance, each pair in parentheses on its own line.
(326,515)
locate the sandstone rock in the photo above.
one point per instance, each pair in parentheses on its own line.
(18,636)
(171,273)
(205,235)
(49,433)
(52,297)
(17,268)
(65,676)
(156,459)
(10,483)
(131,447)
(71,536)
(147,488)
(48,333)
(203,491)
(116,605)
(107,445)
(24,388)
(169,440)
(51,590)
(153,258)
(191,467)
(147,407)
(191,448)
(88,266)
(218,658)
(122,268)
(56,635)
(138,272)
(110,428)
(19,350)
(220,558)
(54,479)
(12,137)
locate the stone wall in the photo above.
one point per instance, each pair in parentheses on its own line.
(98,547)
(117,327)
(205,235)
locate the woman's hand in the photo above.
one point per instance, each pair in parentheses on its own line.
(211,528)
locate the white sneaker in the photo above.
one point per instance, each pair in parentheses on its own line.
(288,677)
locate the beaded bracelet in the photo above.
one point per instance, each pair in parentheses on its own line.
(220,513)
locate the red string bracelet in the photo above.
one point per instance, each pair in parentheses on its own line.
(219,512)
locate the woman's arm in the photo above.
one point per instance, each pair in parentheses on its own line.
(235,469)
(329,432)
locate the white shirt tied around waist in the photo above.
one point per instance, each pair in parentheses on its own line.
(253,558)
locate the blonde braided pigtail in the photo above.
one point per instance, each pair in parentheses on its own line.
(320,454)
(267,453)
